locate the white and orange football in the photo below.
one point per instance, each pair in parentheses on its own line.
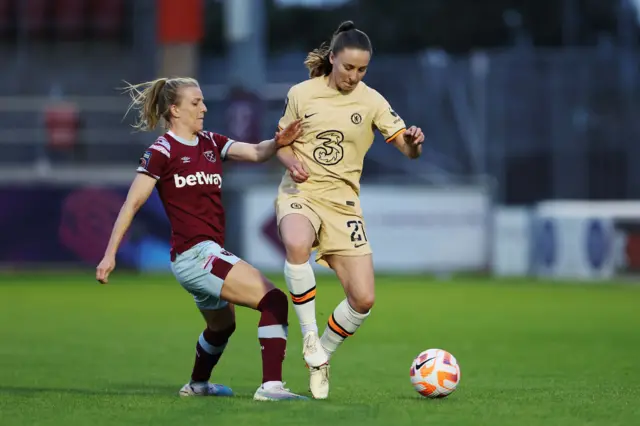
(435,373)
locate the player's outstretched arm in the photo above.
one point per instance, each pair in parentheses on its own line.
(410,142)
(139,192)
(261,152)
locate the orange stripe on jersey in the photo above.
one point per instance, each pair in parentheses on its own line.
(392,137)
(307,296)
(337,328)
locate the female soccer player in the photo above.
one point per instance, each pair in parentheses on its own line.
(185,165)
(318,207)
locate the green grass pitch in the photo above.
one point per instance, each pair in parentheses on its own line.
(73,352)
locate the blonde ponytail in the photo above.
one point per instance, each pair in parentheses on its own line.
(153,100)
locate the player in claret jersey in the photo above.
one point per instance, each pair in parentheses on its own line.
(185,165)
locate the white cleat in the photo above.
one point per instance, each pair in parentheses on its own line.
(276,393)
(312,351)
(205,389)
(319,381)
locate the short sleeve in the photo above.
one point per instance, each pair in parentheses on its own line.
(290,111)
(387,121)
(222,142)
(155,159)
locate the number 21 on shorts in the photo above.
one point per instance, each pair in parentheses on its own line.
(358,235)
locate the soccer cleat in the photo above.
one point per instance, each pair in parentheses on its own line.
(312,352)
(205,389)
(319,381)
(276,393)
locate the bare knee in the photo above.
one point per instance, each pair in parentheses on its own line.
(297,235)
(245,286)
(224,329)
(356,275)
(298,252)
(218,334)
(221,320)
(361,303)
(278,298)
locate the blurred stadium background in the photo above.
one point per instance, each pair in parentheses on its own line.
(529,172)
(526,104)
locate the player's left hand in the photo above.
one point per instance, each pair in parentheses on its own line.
(106,266)
(413,136)
(289,134)
(298,171)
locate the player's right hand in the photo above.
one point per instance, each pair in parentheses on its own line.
(289,134)
(107,264)
(298,172)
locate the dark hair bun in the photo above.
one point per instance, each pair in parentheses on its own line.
(346,26)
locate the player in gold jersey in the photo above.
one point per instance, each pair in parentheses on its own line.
(318,204)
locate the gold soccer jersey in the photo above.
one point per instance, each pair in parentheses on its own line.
(338,132)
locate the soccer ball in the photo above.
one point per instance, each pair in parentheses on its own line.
(435,373)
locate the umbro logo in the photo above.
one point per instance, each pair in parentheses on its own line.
(186,160)
(310,115)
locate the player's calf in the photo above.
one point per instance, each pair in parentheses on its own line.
(272,333)
(298,234)
(356,276)
(343,322)
(209,349)
(244,285)
(301,283)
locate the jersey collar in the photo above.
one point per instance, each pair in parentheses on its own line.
(183,141)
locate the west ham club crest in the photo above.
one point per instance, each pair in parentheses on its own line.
(210,155)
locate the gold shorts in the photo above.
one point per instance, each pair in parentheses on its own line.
(339,225)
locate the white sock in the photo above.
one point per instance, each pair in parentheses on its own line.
(342,323)
(301,283)
(271,385)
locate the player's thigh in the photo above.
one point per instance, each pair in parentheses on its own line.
(245,285)
(298,225)
(219,319)
(357,276)
(297,233)
(201,271)
(342,233)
